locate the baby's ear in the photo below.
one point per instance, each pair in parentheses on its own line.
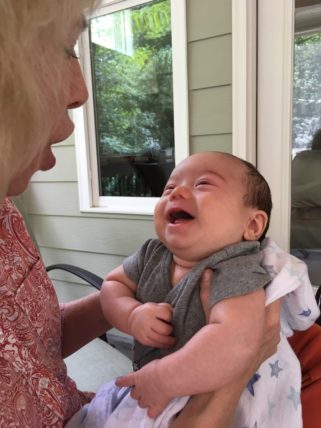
(256,226)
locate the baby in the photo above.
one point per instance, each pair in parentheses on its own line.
(213,213)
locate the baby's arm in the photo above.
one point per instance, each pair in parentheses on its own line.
(149,323)
(216,355)
(216,409)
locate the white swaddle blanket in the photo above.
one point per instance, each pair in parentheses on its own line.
(272,397)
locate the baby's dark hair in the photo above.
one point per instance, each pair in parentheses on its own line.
(258,193)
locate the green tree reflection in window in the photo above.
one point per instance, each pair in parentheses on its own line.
(306,90)
(131,56)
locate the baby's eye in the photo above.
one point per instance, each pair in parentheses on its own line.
(203,182)
(168,188)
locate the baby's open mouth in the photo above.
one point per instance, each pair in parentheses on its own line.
(179,215)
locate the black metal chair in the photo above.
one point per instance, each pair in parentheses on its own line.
(92,279)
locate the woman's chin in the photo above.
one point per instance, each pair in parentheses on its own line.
(20,182)
(48,161)
(18,185)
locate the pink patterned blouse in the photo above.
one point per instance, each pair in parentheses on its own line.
(35,390)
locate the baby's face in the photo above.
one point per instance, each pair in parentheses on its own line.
(202,210)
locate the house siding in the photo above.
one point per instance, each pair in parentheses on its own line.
(209,35)
(99,242)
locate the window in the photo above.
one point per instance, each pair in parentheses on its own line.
(305,239)
(288,117)
(306,90)
(134,61)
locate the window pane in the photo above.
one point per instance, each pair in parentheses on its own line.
(306,154)
(131,57)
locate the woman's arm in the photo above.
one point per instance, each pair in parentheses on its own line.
(82,321)
(212,409)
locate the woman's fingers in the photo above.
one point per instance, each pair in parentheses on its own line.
(205,291)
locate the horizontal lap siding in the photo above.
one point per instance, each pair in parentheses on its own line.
(211,111)
(203,143)
(212,62)
(100,264)
(208,18)
(43,198)
(99,242)
(93,235)
(65,169)
(67,290)
(210,74)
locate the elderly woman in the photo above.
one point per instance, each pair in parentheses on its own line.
(40,80)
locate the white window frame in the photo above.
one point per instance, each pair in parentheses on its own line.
(86,154)
(244,78)
(274,129)
(262,36)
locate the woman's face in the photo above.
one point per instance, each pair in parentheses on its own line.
(73,94)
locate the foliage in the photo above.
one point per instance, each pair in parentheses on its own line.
(133,92)
(306,89)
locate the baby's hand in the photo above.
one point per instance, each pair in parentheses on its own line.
(150,324)
(146,389)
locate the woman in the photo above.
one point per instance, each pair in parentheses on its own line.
(40,80)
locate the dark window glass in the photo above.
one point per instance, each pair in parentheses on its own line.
(306,154)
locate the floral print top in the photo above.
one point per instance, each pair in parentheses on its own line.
(35,390)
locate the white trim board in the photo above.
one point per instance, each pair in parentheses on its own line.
(274,125)
(244,30)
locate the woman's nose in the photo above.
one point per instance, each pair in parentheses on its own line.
(182,192)
(78,94)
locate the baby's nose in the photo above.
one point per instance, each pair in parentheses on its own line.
(181,192)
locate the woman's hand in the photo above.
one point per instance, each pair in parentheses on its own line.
(271,337)
(216,409)
(205,292)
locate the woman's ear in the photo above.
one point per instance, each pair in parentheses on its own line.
(256,226)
